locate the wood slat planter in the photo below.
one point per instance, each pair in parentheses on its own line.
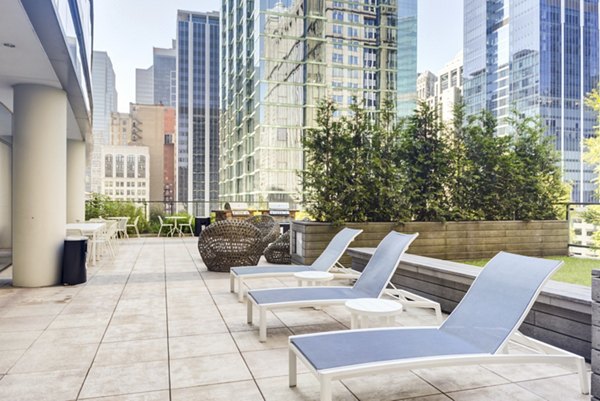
(448,241)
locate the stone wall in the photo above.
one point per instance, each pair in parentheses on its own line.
(562,315)
(448,241)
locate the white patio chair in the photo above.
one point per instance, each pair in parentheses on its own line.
(326,261)
(181,226)
(169,226)
(122,228)
(371,284)
(477,332)
(134,226)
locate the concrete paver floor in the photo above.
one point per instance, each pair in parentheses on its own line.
(154,325)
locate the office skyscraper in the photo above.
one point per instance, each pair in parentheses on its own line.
(282,57)
(165,76)
(198,69)
(104,95)
(540,58)
(144,85)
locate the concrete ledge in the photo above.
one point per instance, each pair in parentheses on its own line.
(562,315)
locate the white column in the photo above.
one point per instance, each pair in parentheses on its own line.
(5,196)
(75,181)
(39,184)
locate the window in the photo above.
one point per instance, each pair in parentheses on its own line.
(337,29)
(337,43)
(131,166)
(142,166)
(120,162)
(338,16)
(108,166)
(353,18)
(352,32)
(337,58)
(353,60)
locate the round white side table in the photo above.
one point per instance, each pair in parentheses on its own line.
(312,277)
(362,309)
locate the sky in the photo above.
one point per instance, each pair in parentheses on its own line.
(129,29)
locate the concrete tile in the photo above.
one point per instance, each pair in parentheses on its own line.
(46,358)
(213,369)
(186,327)
(29,323)
(46,309)
(126,379)
(70,321)
(269,363)
(386,387)
(505,392)
(135,331)
(18,339)
(318,328)
(49,386)
(245,390)
(307,389)
(459,378)
(72,336)
(125,352)
(437,397)
(557,388)
(152,396)
(8,359)
(248,340)
(202,345)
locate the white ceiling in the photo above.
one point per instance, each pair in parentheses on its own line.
(26,63)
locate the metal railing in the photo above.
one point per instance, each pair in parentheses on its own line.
(584,228)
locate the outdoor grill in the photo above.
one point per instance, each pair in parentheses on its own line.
(239,210)
(279,209)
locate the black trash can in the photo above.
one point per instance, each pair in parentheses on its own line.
(200,222)
(73,266)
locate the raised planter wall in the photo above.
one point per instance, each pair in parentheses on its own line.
(596,335)
(448,241)
(562,315)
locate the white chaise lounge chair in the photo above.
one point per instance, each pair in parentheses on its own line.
(370,284)
(477,332)
(328,259)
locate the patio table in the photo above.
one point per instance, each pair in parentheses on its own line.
(89,230)
(175,228)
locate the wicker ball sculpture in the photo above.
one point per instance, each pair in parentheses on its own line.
(279,251)
(267,226)
(230,243)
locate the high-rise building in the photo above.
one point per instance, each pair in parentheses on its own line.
(541,59)
(281,58)
(165,76)
(154,127)
(120,129)
(198,69)
(443,91)
(158,83)
(104,93)
(144,85)
(125,173)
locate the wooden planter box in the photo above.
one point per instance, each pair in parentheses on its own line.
(448,241)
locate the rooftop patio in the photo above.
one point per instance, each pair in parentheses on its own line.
(153,324)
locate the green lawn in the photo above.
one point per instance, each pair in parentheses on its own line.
(575,270)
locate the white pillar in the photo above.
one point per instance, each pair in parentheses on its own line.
(39,184)
(5,196)
(75,181)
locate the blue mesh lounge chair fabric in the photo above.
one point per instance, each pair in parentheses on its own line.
(370,284)
(476,332)
(328,259)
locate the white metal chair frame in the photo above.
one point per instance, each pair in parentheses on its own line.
(188,225)
(167,225)
(134,226)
